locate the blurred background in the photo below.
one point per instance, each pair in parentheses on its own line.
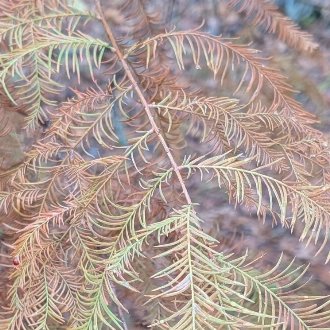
(308,74)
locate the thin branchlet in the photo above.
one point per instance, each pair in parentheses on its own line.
(100,222)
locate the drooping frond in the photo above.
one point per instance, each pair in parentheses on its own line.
(265,13)
(245,129)
(101,215)
(38,241)
(295,202)
(39,51)
(215,291)
(220,56)
(16,30)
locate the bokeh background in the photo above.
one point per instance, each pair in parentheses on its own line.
(307,73)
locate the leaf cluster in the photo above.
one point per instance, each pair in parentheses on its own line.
(101,207)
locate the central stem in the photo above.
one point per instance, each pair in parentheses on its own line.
(130,74)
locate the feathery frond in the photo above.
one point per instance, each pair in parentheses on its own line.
(266,14)
(38,51)
(220,56)
(306,203)
(106,203)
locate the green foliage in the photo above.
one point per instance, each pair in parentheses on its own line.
(101,207)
